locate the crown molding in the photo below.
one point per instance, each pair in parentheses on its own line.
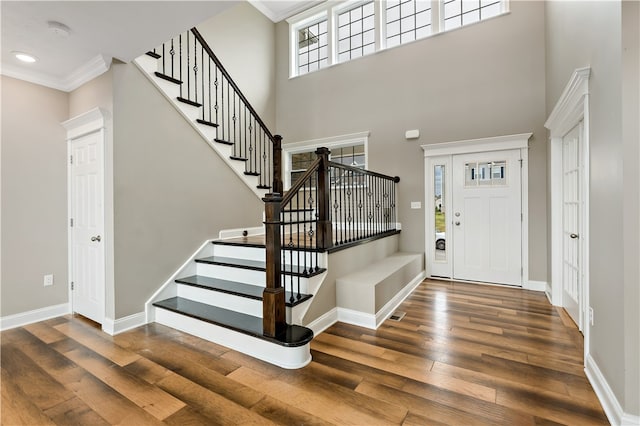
(275,17)
(87,72)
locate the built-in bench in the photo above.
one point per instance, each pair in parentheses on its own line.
(367,297)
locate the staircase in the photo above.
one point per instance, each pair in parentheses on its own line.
(217,295)
(196,83)
(251,292)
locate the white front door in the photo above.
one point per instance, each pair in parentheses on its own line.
(487,217)
(571,224)
(87,230)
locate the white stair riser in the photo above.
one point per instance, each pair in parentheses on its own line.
(281,356)
(222,300)
(259,254)
(247,276)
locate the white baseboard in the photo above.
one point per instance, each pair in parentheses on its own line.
(610,404)
(29,317)
(535,285)
(323,322)
(363,319)
(120,325)
(393,304)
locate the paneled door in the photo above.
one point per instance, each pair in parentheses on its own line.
(571,224)
(87,228)
(487,217)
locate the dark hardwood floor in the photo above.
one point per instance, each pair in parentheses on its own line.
(464,354)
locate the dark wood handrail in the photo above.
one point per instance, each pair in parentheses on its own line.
(215,59)
(396,179)
(300,182)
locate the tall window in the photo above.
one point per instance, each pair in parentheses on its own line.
(313,53)
(407,20)
(356,32)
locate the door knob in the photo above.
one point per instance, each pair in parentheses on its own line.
(96,238)
(457,223)
(574,236)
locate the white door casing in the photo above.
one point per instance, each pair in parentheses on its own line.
(572,225)
(571,108)
(86,207)
(487,217)
(443,154)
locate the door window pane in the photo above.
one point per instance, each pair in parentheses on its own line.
(439,214)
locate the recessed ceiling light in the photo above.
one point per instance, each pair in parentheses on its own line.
(24,57)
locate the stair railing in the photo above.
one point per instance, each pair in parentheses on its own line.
(331,206)
(204,82)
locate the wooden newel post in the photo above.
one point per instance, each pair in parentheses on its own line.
(277,165)
(325,234)
(273,304)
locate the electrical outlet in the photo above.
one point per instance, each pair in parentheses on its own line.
(591,316)
(416,205)
(48,280)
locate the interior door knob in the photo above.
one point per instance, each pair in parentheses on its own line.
(457,223)
(574,236)
(96,238)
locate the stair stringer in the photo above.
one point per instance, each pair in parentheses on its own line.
(170,288)
(148,65)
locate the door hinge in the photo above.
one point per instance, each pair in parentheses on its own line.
(72,285)
(71,222)
(521,217)
(71,159)
(520,160)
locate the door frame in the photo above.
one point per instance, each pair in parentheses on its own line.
(472,146)
(92,121)
(572,108)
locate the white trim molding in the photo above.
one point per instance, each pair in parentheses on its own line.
(470,146)
(571,108)
(121,325)
(36,315)
(610,403)
(535,285)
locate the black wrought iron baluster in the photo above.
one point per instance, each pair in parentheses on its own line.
(291,246)
(180,47)
(246,152)
(204,104)
(195,69)
(317,265)
(163,60)
(188,70)
(172,52)
(216,90)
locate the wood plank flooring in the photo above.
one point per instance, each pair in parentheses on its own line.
(464,354)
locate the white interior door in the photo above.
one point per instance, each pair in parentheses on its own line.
(487,217)
(571,224)
(87,230)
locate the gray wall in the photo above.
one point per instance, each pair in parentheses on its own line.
(583,34)
(34,200)
(171,190)
(631,202)
(479,81)
(244,41)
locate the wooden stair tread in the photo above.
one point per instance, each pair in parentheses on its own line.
(206,122)
(238,289)
(257,265)
(166,77)
(291,336)
(189,102)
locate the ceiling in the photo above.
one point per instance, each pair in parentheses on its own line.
(101,31)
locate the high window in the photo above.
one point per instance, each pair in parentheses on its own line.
(333,33)
(407,20)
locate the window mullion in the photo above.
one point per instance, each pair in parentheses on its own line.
(437,16)
(331,39)
(380,36)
